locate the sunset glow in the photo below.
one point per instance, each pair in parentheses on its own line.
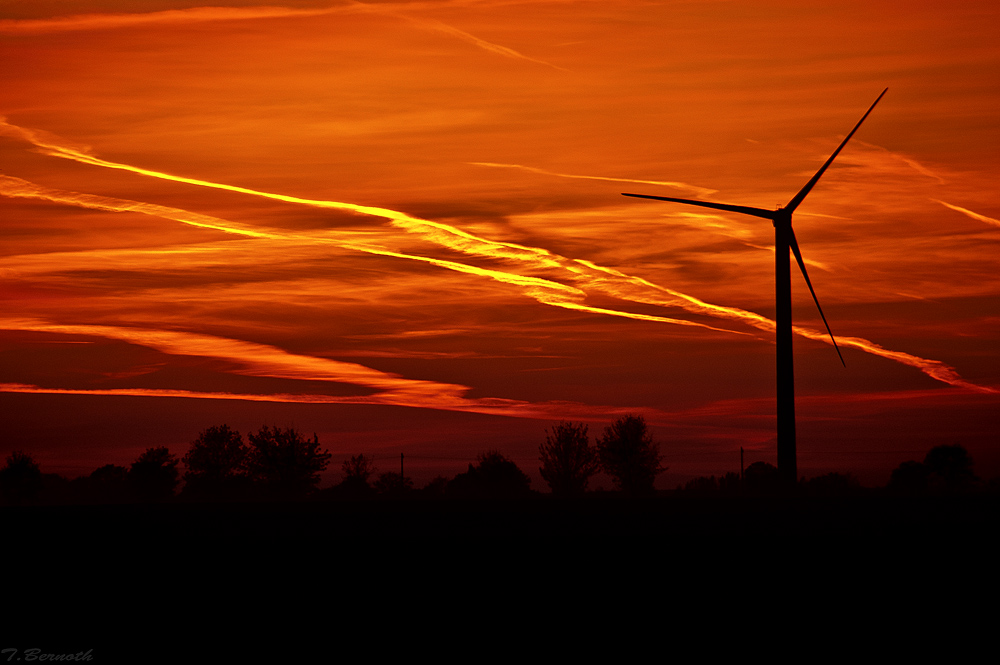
(399,225)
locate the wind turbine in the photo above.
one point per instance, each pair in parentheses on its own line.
(784,239)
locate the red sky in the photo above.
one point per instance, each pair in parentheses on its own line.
(399,225)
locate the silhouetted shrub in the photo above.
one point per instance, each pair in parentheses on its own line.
(945,470)
(702,485)
(493,476)
(911,478)
(56,490)
(832,484)
(354,485)
(393,485)
(285,464)
(106,484)
(217,466)
(435,488)
(20,478)
(950,469)
(153,475)
(761,478)
(358,468)
(567,459)
(730,483)
(629,455)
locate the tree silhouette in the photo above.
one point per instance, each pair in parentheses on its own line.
(284,462)
(106,484)
(493,476)
(950,469)
(20,478)
(392,484)
(702,485)
(832,484)
(567,459)
(358,469)
(216,465)
(910,477)
(630,456)
(946,469)
(436,487)
(762,478)
(153,475)
(730,483)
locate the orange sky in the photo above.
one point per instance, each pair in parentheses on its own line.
(399,225)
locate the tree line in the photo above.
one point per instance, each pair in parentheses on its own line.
(283,464)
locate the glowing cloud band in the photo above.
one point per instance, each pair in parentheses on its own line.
(456,239)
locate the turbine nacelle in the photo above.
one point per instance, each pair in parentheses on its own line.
(781,215)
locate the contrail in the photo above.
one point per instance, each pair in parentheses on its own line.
(700,191)
(932,368)
(545,291)
(19,188)
(973,215)
(552,410)
(439,26)
(461,239)
(81,22)
(456,239)
(84,22)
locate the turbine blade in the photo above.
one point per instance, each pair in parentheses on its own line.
(745,210)
(794,203)
(802,267)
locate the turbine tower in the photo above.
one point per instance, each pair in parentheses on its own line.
(784,239)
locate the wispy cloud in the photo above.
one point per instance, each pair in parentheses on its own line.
(583,274)
(974,215)
(551,410)
(700,191)
(439,26)
(82,22)
(261,360)
(87,22)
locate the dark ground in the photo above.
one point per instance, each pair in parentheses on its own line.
(421,576)
(717,524)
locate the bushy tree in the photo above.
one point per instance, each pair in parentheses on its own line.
(762,478)
(567,459)
(20,478)
(832,484)
(946,469)
(216,464)
(730,483)
(493,476)
(392,484)
(702,485)
(106,484)
(950,469)
(217,453)
(630,456)
(436,488)
(153,475)
(284,463)
(358,469)
(910,477)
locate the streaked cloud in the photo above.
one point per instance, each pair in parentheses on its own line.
(974,215)
(700,191)
(548,292)
(82,22)
(87,22)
